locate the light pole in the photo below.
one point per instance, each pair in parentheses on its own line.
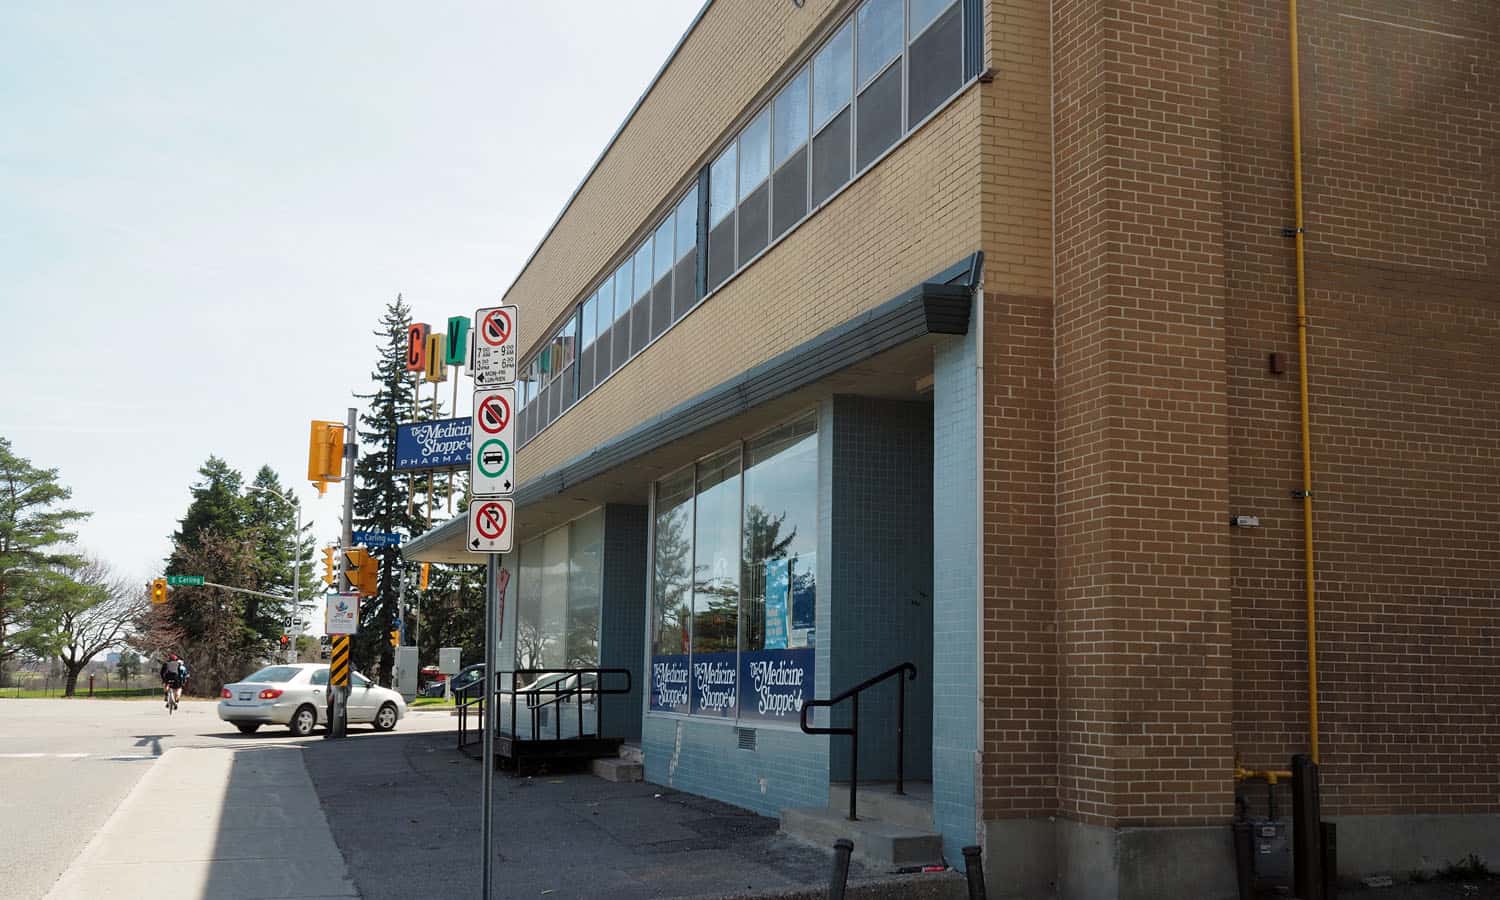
(296,567)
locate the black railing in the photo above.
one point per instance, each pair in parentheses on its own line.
(853,729)
(535,691)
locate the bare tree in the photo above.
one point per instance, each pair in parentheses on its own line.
(99,618)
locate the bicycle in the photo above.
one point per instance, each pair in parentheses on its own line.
(171,698)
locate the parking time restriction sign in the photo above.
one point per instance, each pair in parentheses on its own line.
(492,464)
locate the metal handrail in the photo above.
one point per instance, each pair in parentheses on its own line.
(556,695)
(852,730)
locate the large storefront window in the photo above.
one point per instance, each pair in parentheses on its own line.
(559,594)
(734,585)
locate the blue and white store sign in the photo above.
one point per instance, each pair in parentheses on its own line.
(439,444)
(670,683)
(775,684)
(762,685)
(714,684)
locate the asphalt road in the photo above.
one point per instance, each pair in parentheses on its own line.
(65,765)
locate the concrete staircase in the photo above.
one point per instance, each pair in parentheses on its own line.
(630,765)
(893,830)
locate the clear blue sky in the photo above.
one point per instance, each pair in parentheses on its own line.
(204,208)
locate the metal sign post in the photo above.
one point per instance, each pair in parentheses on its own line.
(492,516)
(338,697)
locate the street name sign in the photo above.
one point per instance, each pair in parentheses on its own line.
(492,470)
(494,361)
(185,580)
(491,525)
(377,538)
(342,614)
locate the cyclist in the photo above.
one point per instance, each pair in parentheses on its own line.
(174,676)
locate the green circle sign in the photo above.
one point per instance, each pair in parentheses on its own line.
(493,452)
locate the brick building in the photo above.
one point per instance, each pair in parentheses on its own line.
(956,333)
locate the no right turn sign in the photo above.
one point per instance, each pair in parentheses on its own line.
(490,525)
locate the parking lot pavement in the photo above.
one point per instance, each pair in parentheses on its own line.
(406,814)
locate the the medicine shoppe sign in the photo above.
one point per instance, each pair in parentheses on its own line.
(759,685)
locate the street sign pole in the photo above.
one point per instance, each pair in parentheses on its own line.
(492,517)
(492,713)
(338,696)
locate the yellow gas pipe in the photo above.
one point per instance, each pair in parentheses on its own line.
(1307,516)
(1273,775)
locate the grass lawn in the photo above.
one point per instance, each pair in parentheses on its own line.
(83,693)
(429,702)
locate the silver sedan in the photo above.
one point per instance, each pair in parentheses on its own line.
(296,696)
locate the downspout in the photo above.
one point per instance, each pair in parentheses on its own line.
(1305,493)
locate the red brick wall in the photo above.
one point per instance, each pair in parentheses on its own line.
(1400,139)
(1142,453)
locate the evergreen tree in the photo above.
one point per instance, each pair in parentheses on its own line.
(217,505)
(274,522)
(33,567)
(384,500)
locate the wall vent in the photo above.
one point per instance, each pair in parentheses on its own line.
(747,738)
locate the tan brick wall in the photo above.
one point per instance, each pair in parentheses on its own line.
(726,61)
(902,221)
(1403,266)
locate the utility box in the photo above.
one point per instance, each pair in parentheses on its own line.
(406,672)
(448,660)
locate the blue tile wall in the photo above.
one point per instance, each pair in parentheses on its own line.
(880,584)
(787,768)
(622,616)
(955,535)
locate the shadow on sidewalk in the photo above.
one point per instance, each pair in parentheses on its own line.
(405,811)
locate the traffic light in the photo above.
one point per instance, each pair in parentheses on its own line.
(395,638)
(325,454)
(422,585)
(330,566)
(159,590)
(363,571)
(285,640)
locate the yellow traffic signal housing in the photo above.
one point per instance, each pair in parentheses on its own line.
(159,590)
(330,566)
(364,571)
(395,638)
(325,454)
(422,585)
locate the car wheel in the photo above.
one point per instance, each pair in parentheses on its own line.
(303,721)
(385,717)
(247,727)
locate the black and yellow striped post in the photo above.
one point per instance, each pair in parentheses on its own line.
(338,678)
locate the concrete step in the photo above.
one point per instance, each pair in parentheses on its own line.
(880,801)
(880,843)
(633,753)
(617,769)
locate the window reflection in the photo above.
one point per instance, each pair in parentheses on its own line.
(558,596)
(780,543)
(716,553)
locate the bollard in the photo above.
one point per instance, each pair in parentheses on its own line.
(841,850)
(91,685)
(1307,850)
(974,869)
(1244,858)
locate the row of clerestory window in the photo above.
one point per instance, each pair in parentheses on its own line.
(882,72)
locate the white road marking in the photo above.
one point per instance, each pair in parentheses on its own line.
(73,756)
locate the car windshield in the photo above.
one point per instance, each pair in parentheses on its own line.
(273,675)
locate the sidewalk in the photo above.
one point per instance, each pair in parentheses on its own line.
(224,824)
(406,813)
